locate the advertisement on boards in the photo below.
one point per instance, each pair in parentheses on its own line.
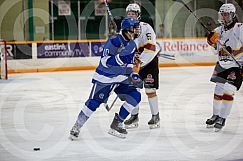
(18,51)
(62,50)
(186,50)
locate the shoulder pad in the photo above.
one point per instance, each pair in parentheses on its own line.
(239,24)
(115,41)
(143,23)
(217,29)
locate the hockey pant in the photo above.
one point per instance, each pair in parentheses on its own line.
(100,94)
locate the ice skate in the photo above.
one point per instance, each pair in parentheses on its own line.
(132,122)
(211,121)
(117,128)
(74,132)
(219,124)
(154,122)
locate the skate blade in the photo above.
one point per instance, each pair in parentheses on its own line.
(131,126)
(154,126)
(210,126)
(217,129)
(117,134)
(73,138)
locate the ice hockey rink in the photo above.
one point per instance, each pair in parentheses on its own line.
(38,110)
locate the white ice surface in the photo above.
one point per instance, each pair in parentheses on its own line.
(38,110)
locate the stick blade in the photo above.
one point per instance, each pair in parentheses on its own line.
(180,1)
(107,107)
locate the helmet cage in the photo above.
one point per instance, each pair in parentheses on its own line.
(226,9)
(134,7)
(137,30)
(223,21)
(130,25)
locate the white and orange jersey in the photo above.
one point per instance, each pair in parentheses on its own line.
(233,38)
(146,44)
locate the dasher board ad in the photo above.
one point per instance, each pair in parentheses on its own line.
(186,51)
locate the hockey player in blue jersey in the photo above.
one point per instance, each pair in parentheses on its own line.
(114,73)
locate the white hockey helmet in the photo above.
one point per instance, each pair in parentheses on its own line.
(134,7)
(226,8)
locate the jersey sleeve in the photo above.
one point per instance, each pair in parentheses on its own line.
(115,41)
(148,48)
(241,40)
(124,57)
(217,29)
(107,58)
(238,52)
(241,34)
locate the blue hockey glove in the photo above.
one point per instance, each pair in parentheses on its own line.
(136,80)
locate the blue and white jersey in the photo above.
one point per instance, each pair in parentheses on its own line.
(116,61)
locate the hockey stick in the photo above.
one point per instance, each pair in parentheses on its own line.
(109,12)
(205,27)
(107,107)
(223,47)
(112,21)
(166,56)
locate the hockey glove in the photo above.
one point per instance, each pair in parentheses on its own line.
(212,38)
(222,50)
(137,60)
(229,49)
(136,80)
(137,63)
(112,28)
(136,68)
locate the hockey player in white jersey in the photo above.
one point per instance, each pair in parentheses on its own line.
(114,73)
(146,43)
(228,72)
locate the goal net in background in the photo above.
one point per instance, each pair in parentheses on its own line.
(3,60)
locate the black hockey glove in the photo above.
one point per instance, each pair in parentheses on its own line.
(136,80)
(112,28)
(212,38)
(229,49)
(223,52)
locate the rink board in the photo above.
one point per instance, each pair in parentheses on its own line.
(47,56)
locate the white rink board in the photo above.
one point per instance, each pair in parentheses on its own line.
(183,51)
(38,110)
